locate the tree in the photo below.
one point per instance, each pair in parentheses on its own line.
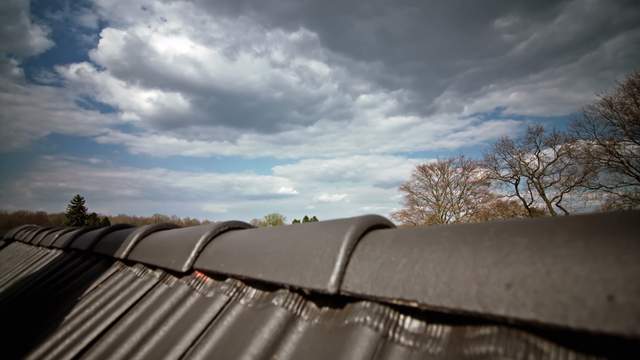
(273,219)
(446,191)
(501,209)
(538,169)
(610,133)
(76,214)
(305,219)
(92,220)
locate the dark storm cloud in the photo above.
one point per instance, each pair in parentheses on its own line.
(429,46)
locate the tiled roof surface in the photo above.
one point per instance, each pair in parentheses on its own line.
(344,289)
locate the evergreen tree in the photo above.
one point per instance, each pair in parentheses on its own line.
(104,222)
(92,220)
(76,214)
(313,219)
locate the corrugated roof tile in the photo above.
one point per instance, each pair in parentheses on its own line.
(64,303)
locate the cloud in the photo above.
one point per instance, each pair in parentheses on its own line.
(201,85)
(19,35)
(30,111)
(378,170)
(434,47)
(274,79)
(329,198)
(120,189)
(113,189)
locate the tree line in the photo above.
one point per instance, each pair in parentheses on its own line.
(77,214)
(595,162)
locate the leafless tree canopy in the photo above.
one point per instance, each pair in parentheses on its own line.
(610,134)
(446,191)
(538,169)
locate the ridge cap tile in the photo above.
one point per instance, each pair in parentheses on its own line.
(578,271)
(178,249)
(310,255)
(33,236)
(53,236)
(67,238)
(22,234)
(40,238)
(118,244)
(14,231)
(87,240)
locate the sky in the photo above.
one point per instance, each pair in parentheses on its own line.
(233,109)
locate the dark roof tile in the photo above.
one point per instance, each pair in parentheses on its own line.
(67,238)
(310,255)
(177,249)
(48,240)
(87,240)
(577,271)
(35,236)
(13,232)
(120,243)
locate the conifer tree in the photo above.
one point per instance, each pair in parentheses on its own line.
(76,214)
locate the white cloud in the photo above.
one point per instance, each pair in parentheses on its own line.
(19,35)
(114,189)
(32,111)
(330,198)
(205,86)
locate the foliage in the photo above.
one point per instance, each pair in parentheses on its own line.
(273,219)
(76,214)
(9,220)
(305,219)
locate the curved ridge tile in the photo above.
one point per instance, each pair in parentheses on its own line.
(119,243)
(22,234)
(177,249)
(64,240)
(13,232)
(87,240)
(36,235)
(311,255)
(38,239)
(53,236)
(578,271)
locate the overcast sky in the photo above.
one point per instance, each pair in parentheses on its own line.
(234,109)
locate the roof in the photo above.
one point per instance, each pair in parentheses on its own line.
(354,288)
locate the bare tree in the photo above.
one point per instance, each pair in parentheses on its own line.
(610,134)
(538,169)
(273,219)
(500,209)
(445,191)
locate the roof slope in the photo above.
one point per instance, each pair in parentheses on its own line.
(206,292)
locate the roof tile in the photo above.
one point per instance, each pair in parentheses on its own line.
(311,255)
(577,271)
(177,249)
(120,243)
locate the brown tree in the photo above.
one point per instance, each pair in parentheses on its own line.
(445,191)
(610,134)
(538,169)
